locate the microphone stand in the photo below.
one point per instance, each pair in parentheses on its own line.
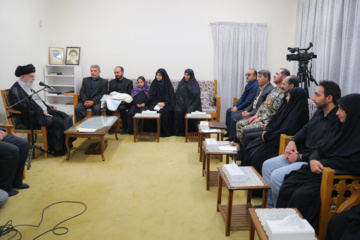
(31,111)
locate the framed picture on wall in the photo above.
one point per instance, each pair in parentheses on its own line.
(72,56)
(56,56)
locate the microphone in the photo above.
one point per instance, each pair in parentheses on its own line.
(47,86)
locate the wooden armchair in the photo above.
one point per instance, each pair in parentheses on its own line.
(19,127)
(337,192)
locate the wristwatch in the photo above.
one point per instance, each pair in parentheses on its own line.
(298,158)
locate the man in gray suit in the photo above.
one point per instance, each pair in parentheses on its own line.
(92,90)
(264,89)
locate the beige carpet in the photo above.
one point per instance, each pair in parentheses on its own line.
(143,190)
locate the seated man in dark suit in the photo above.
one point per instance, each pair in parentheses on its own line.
(13,153)
(121,85)
(264,89)
(246,98)
(92,90)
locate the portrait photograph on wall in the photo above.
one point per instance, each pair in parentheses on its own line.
(72,56)
(56,56)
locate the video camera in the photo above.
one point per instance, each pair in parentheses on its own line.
(302,54)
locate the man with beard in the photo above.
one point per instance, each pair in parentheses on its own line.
(307,140)
(121,85)
(92,90)
(56,122)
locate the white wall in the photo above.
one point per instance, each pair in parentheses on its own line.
(139,35)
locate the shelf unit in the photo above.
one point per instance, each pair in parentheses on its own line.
(66,84)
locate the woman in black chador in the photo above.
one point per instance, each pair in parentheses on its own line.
(187,100)
(339,150)
(162,98)
(140,96)
(289,119)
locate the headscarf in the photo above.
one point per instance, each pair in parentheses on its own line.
(23,70)
(295,112)
(188,93)
(138,89)
(341,149)
(163,91)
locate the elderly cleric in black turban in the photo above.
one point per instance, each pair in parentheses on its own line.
(22,70)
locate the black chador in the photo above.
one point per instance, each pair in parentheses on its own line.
(289,119)
(162,91)
(187,100)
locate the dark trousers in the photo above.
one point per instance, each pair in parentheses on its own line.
(13,155)
(229,114)
(234,119)
(80,110)
(122,110)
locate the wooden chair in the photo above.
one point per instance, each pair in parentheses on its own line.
(215,116)
(10,130)
(337,192)
(103,111)
(13,117)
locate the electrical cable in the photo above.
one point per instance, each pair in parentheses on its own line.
(7,228)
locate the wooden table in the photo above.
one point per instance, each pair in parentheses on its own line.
(146,135)
(212,176)
(193,135)
(205,134)
(256,224)
(237,216)
(102,127)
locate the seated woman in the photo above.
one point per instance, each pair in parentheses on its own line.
(340,150)
(162,99)
(187,100)
(140,96)
(289,119)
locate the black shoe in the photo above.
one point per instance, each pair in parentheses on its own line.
(12,192)
(226,135)
(22,186)
(257,206)
(229,139)
(111,132)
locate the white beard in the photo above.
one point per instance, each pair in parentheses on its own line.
(29,84)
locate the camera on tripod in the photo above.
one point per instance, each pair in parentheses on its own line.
(302,54)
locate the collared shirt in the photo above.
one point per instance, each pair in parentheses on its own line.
(35,97)
(257,97)
(312,133)
(248,95)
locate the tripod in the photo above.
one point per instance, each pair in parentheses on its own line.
(31,113)
(305,77)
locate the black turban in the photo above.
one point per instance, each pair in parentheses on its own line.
(22,70)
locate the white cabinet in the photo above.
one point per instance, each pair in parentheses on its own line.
(66,79)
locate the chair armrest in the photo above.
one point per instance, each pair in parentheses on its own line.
(284,140)
(218,106)
(235,100)
(353,200)
(9,129)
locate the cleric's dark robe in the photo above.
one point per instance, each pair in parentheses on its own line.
(345,225)
(187,100)
(162,91)
(339,150)
(139,98)
(55,125)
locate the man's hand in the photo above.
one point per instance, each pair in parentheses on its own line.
(250,120)
(52,106)
(48,115)
(245,114)
(290,157)
(234,109)
(316,167)
(264,125)
(2,135)
(290,148)
(140,105)
(262,135)
(89,103)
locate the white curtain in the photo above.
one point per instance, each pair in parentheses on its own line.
(238,47)
(333,26)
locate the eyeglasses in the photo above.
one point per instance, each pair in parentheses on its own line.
(248,75)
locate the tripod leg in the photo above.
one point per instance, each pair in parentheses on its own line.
(32,153)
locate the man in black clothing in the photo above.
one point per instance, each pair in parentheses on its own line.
(92,90)
(121,85)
